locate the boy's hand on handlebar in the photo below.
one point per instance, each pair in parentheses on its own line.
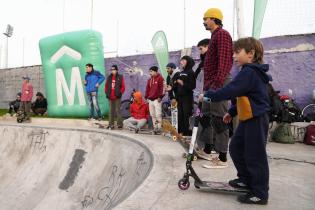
(200,98)
(227,118)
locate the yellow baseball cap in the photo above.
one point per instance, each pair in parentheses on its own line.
(213,13)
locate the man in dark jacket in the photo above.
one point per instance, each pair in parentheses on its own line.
(114,89)
(173,75)
(186,84)
(39,106)
(15,105)
(93,79)
(154,93)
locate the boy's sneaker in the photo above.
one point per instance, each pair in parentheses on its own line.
(137,130)
(237,183)
(201,154)
(250,198)
(216,163)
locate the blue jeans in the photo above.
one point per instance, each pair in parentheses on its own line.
(93,104)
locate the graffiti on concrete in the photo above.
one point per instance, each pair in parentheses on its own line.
(38,140)
(87,201)
(110,192)
(141,163)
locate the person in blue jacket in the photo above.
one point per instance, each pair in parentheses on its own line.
(93,79)
(248,145)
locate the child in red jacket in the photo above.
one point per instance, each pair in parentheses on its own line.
(139,111)
(26,98)
(154,93)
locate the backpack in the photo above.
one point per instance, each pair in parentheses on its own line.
(309,137)
(283,134)
(276,106)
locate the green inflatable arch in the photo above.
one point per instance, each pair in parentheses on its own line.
(64,57)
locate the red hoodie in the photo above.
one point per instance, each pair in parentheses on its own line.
(139,109)
(155,88)
(27,92)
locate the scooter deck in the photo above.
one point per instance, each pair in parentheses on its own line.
(218,187)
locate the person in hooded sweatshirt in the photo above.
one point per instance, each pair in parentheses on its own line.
(248,144)
(114,89)
(139,111)
(186,84)
(173,74)
(154,93)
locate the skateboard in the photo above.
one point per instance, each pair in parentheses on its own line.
(20,116)
(170,130)
(174,115)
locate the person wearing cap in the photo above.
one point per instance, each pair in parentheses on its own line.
(39,106)
(26,98)
(186,84)
(154,93)
(15,105)
(93,79)
(173,74)
(217,66)
(114,89)
(139,111)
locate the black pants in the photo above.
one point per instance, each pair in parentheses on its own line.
(185,109)
(248,152)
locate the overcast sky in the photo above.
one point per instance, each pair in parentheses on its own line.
(134,23)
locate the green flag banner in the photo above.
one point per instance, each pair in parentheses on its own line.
(64,57)
(160,47)
(259,12)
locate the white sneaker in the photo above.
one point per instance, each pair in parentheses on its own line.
(201,154)
(216,163)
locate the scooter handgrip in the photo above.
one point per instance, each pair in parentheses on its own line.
(206,99)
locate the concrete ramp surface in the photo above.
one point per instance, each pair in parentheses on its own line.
(47,168)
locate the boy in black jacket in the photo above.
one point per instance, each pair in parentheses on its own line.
(186,84)
(248,145)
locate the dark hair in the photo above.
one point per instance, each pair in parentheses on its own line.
(89,65)
(217,22)
(203,43)
(115,67)
(250,44)
(39,94)
(154,68)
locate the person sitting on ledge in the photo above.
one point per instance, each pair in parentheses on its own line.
(139,111)
(39,106)
(15,105)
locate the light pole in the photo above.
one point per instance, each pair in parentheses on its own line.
(8,34)
(91,19)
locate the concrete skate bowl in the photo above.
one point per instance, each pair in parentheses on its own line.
(50,168)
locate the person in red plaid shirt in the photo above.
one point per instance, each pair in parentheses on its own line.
(217,66)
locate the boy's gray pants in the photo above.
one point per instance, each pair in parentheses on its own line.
(132,123)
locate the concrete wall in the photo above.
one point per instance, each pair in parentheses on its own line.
(291,60)
(11,82)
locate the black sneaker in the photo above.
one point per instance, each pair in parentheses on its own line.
(250,198)
(137,130)
(237,183)
(120,127)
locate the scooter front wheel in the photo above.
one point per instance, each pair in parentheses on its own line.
(183,184)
